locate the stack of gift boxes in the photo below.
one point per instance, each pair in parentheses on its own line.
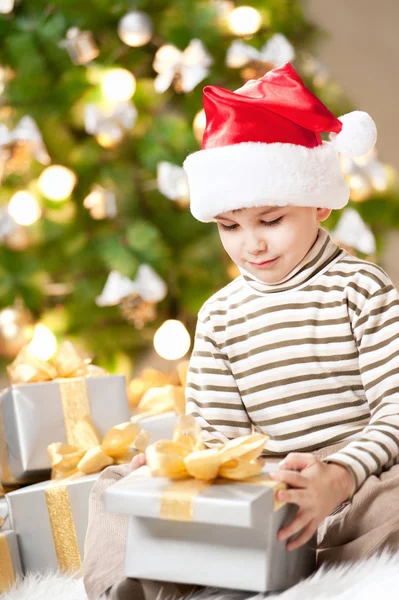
(61,422)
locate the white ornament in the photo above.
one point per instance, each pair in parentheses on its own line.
(192,65)
(352,231)
(172,181)
(108,123)
(135,28)
(26,131)
(147,284)
(276,51)
(365,168)
(80,46)
(101,203)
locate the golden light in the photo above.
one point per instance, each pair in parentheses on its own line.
(24,208)
(199,125)
(244,20)
(118,85)
(44,343)
(172,340)
(57,182)
(360,188)
(7,7)
(109,139)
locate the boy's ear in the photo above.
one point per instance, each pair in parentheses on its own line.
(322,214)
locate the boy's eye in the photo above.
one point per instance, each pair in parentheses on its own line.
(235,226)
(228,227)
(271,223)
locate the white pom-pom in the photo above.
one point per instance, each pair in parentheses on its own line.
(358,135)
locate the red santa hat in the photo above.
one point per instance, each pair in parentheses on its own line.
(262,147)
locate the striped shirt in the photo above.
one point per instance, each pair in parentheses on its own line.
(309,361)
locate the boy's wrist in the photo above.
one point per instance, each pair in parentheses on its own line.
(343,481)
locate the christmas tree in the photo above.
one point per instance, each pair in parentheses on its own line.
(100,105)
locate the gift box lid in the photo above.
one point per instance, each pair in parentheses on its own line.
(238,504)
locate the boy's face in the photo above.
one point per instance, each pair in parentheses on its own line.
(270,241)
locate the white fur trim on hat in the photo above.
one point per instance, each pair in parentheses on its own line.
(258,174)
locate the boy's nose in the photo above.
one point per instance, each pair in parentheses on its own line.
(254,245)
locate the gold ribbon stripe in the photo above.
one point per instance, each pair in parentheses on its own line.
(63,528)
(177,502)
(79,427)
(7,574)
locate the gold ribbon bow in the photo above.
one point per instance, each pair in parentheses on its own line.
(116,448)
(186,460)
(185,456)
(67,363)
(159,400)
(161,393)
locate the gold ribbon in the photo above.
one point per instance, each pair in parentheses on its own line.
(7,573)
(159,400)
(185,458)
(69,460)
(71,371)
(27,368)
(63,528)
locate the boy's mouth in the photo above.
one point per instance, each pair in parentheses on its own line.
(265,263)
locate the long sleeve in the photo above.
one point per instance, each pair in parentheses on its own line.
(376,330)
(212,396)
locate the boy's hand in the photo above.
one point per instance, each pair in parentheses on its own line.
(318,489)
(138,461)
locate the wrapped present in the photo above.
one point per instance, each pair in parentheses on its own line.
(10,564)
(68,400)
(160,405)
(217,508)
(4,515)
(50,520)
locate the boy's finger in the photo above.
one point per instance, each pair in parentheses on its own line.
(138,461)
(300,521)
(297,461)
(304,537)
(294,496)
(292,478)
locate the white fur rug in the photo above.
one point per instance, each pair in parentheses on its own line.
(375,577)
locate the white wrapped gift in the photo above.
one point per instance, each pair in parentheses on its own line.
(222,534)
(4,515)
(10,564)
(159,426)
(50,520)
(35,415)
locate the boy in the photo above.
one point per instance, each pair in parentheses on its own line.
(304,345)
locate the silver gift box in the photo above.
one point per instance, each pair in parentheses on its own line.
(30,520)
(4,515)
(231,541)
(33,418)
(10,564)
(159,426)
